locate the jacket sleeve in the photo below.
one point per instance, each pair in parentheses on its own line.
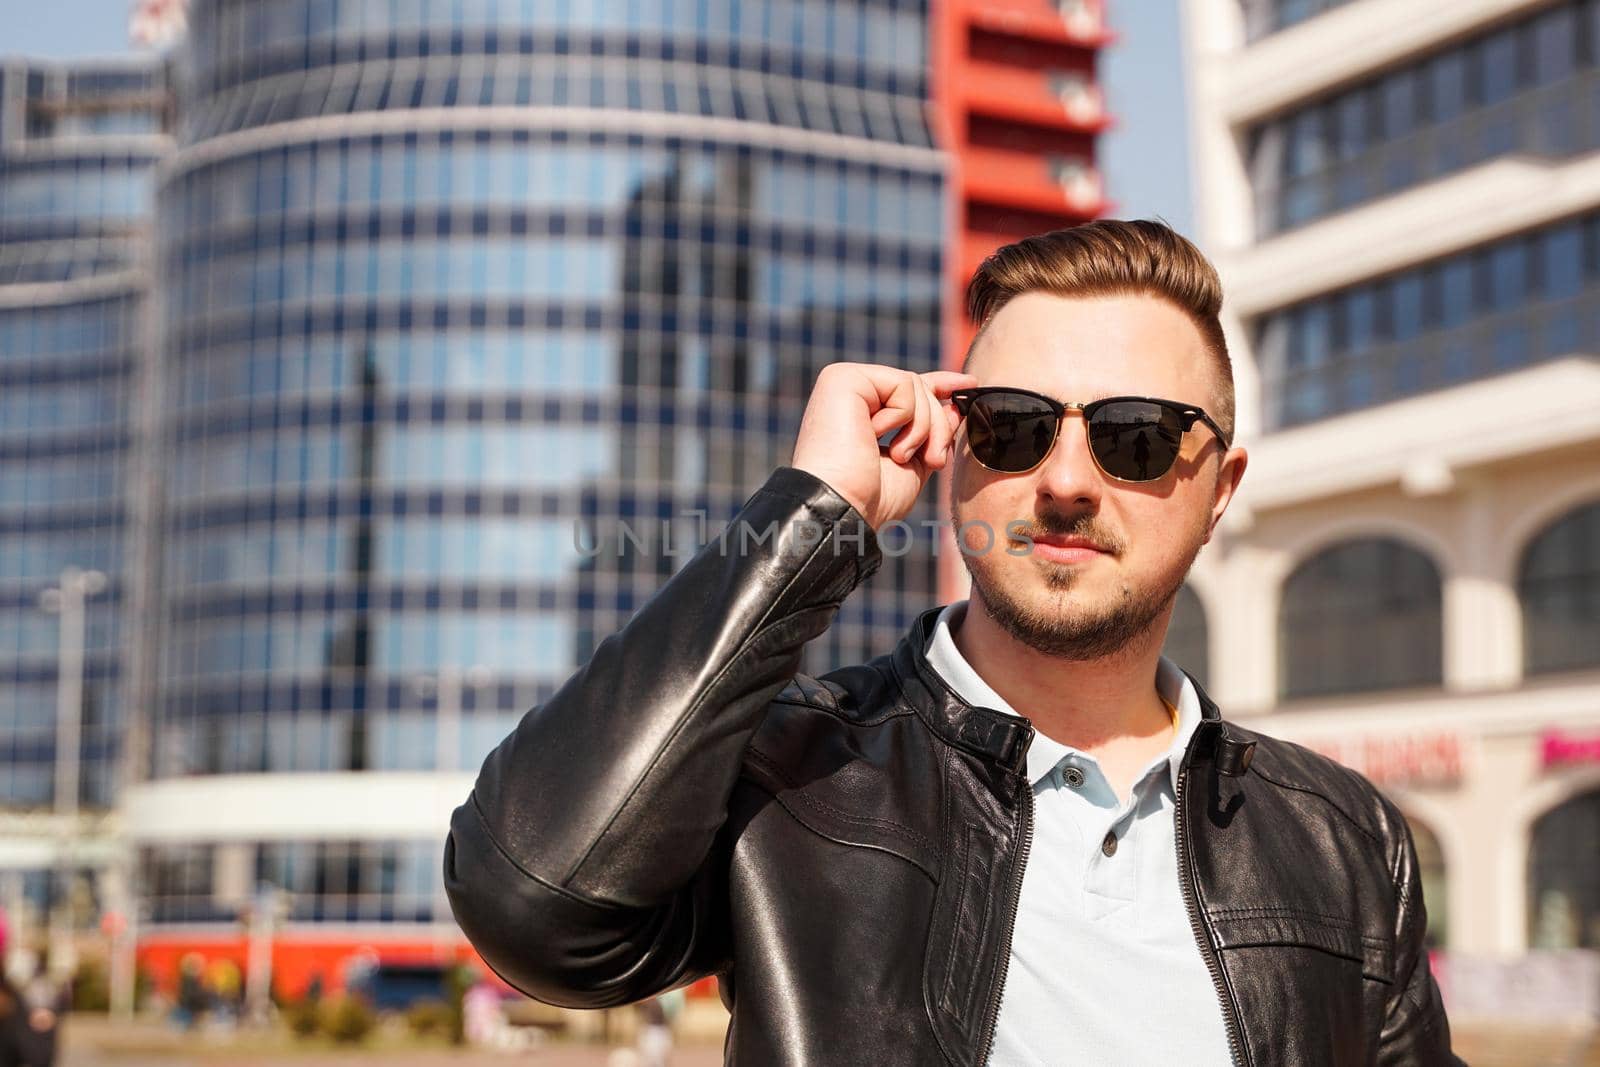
(1416,1032)
(587,866)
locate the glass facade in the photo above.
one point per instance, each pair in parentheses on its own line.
(1530,87)
(852,67)
(326,881)
(75,200)
(1512,303)
(453,393)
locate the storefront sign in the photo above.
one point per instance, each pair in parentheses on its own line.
(1557,748)
(1426,759)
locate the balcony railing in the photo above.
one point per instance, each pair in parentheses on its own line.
(1079,22)
(1068,99)
(1554,122)
(1518,337)
(1024,179)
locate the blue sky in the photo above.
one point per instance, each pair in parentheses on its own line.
(1145,160)
(62,29)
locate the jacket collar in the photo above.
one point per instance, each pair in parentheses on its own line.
(993,734)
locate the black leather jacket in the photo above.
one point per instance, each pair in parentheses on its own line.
(845,852)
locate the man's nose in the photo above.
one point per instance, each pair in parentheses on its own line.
(1068,476)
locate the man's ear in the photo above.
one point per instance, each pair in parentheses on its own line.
(1230,472)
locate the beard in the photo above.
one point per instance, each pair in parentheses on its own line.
(1059,628)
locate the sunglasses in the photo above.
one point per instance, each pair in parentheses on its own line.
(1132,438)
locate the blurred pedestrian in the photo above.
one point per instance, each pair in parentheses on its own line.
(486,1026)
(225,983)
(191,1005)
(361,974)
(20,1044)
(47,997)
(655,1033)
(27,1034)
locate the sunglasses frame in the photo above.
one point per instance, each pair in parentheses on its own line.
(1188,415)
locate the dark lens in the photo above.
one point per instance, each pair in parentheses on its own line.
(1134,440)
(1010,431)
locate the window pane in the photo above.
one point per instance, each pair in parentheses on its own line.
(1562,251)
(1363,615)
(1564,876)
(1559,585)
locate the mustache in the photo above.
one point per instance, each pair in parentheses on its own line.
(1083,526)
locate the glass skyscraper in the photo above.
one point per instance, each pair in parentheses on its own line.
(78,145)
(478,318)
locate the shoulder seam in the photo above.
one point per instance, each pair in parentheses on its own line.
(822,807)
(1366,831)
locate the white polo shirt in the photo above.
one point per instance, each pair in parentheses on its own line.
(1105,969)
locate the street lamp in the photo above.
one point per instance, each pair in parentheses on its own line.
(66,601)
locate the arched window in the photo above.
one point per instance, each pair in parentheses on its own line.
(1360,616)
(1564,876)
(1559,586)
(1187,640)
(1430,865)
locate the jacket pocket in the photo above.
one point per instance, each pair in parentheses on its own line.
(1310,986)
(973,896)
(965,938)
(1263,926)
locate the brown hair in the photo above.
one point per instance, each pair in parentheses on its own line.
(1108,257)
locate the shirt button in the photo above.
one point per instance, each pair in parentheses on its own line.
(1072,776)
(1109,845)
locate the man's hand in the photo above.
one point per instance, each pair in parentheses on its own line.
(851,406)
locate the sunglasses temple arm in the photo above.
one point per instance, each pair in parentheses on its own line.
(1196,414)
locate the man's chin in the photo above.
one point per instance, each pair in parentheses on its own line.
(1065,633)
(1085,618)
(1049,578)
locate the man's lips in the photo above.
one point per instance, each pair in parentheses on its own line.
(1062,549)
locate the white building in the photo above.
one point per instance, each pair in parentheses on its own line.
(1403,197)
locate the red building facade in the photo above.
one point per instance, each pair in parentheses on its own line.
(1019,109)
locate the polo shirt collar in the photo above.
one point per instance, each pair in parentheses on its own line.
(1045,753)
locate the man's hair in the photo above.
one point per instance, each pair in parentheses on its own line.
(1110,257)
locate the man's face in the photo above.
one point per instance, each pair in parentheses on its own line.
(1080,604)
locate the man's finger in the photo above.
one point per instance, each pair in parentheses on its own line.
(938,427)
(918,431)
(945,382)
(886,419)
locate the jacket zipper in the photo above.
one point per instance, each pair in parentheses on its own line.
(1230,1014)
(993,1017)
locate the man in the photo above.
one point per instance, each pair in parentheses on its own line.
(29,1015)
(1022,837)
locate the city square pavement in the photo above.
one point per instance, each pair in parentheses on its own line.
(96,1043)
(552,1056)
